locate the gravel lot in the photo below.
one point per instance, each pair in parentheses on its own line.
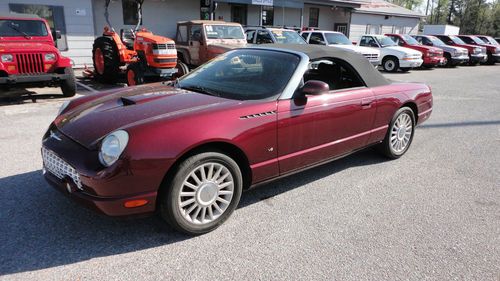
(432,215)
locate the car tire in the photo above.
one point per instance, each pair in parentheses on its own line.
(491,59)
(449,61)
(135,74)
(405,69)
(199,204)
(390,64)
(68,86)
(105,59)
(399,134)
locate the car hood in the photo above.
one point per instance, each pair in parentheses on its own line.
(21,47)
(423,48)
(357,49)
(93,120)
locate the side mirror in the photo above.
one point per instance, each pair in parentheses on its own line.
(314,87)
(57,35)
(373,44)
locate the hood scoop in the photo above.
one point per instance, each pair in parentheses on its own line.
(127,101)
(143,98)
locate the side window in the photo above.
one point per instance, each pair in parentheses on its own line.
(263,37)
(317,39)
(425,41)
(397,40)
(181,34)
(368,41)
(446,40)
(304,35)
(195,33)
(250,35)
(337,73)
(467,40)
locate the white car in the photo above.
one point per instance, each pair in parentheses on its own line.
(339,40)
(393,57)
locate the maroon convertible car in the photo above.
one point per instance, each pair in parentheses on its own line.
(189,148)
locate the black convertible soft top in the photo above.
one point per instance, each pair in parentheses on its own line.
(368,73)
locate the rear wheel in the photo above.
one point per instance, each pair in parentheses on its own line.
(203,193)
(68,86)
(400,134)
(106,60)
(182,69)
(135,75)
(390,64)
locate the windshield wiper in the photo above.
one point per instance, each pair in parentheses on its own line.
(200,89)
(13,26)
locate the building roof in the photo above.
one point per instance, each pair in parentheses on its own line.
(380,7)
(365,69)
(19,16)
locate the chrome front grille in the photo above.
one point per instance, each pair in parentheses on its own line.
(59,168)
(371,56)
(30,63)
(163,46)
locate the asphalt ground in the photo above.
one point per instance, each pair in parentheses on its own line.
(433,214)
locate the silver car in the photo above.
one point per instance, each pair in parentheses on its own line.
(453,55)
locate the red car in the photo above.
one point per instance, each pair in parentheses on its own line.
(431,56)
(493,51)
(29,58)
(477,54)
(188,149)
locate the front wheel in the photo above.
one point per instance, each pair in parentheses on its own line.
(202,194)
(400,134)
(390,64)
(68,86)
(135,75)
(182,69)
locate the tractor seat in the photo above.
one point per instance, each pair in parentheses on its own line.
(128,38)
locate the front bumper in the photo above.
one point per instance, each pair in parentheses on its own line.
(460,59)
(29,79)
(478,58)
(496,57)
(410,63)
(433,61)
(375,62)
(75,171)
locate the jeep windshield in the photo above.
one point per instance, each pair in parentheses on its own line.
(243,75)
(337,39)
(224,32)
(287,37)
(13,28)
(385,41)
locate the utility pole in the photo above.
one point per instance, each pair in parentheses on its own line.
(438,11)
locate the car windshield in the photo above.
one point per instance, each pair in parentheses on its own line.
(385,41)
(243,75)
(436,41)
(410,40)
(477,40)
(337,39)
(456,40)
(489,40)
(287,37)
(224,32)
(11,28)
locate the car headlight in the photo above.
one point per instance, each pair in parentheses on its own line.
(50,57)
(498,50)
(112,147)
(63,107)
(7,58)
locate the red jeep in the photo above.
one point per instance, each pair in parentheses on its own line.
(29,58)
(431,56)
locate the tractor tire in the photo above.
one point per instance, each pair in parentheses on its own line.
(68,86)
(106,60)
(135,74)
(182,69)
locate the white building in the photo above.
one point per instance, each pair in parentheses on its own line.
(80,21)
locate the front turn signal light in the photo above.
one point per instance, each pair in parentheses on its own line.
(135,203)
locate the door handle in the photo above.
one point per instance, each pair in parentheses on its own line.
(366,102)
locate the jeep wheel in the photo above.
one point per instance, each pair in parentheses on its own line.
(106,60)
(182,69)
(390,64)
(135,75)
(68,86)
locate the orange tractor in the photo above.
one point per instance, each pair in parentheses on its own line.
(138,53)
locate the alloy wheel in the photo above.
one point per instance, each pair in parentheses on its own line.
(206,193)
(401,133)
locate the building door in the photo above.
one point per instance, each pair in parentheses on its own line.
(341,27)
(239,13)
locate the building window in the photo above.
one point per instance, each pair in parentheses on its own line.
(313,17)
(54,15)
(267,15)
(239,13)
(130,16)
(373,29)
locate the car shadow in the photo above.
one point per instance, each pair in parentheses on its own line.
(41,228)
(20,99)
